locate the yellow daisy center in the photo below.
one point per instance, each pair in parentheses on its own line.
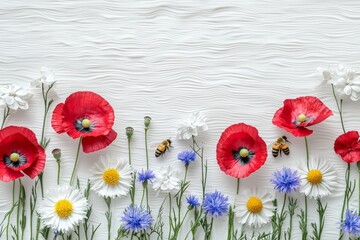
(111,176)
(86,123)
(244,152)
(63,208)
(254,205)
(302,118)
(314,176)
(14,157)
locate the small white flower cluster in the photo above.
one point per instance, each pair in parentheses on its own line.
(346,81)
(15,97)
(192,126)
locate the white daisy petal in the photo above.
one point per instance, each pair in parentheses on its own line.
(263,206)
(111,177)
(63,217)
(319,170)
(14,97)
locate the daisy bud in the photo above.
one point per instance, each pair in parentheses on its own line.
(129,132)
(57,154)
(147,121)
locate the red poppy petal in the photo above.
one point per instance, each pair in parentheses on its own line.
(38,166)
(57,118)
(7,174)
(92,144)
(351,157)
(234,137)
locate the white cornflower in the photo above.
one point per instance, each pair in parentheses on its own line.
(14,97)
(47,77)
(111,177)
(254,207)
(192,126)
(63,209)
(319,180)
(166,180)
(346,81)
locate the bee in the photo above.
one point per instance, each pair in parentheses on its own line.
(280,146)
(162,147)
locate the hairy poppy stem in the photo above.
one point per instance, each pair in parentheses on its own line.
(238,186)
(76,162)
(6,115)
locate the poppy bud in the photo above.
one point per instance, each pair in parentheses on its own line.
(129,132)
(147,121)
(57,154)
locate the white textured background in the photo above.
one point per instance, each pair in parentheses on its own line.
(235,60)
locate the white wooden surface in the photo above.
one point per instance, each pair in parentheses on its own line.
(235,60)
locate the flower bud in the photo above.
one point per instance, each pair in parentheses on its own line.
(57,154)
(129,132)
(147,121)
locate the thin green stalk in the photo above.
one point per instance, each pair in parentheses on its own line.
(18,211)
(170,219)
(238,186)
(209,231)
(129,150)
(307,152)
(230,224)
(108,215)
(347,179)
(6,115)
(58,173)
(147,199)
(142,196)
(76,162)
(146,149)
(10,212)
(281,218)
(339,107)
(306,218)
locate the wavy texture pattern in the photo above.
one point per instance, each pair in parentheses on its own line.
(235,60)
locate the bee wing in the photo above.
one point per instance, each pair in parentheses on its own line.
(153,145)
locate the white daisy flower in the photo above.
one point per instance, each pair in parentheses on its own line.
(63,209)
(14,97)
(47,77)
(319,180)
(111,177)
(254,207)
(166,180)
(192,126)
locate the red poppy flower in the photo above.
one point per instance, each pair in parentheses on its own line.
(86,115)
(299,113)
(20,154)
(347,146)
(240,150)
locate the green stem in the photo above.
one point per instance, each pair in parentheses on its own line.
(307,152)
(6,115)
(347,179)
(108,216)
(18,211)
(281,220)
(76,162)
(170,221)
(147,199)
(58,172)
(306,218)
(142,196)
(339,107)
(238,186)
(129,151)
(12,209)
(146,149)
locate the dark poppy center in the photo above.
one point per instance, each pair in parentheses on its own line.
(243,155)
(84,125)
(302,120)
(15,160)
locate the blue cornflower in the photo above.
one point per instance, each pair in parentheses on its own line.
(215,204)
(145,175)
(286,180)
(193,201)
(187,156)
(351,223)
(136,219)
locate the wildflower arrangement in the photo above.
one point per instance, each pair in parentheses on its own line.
(65,211)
